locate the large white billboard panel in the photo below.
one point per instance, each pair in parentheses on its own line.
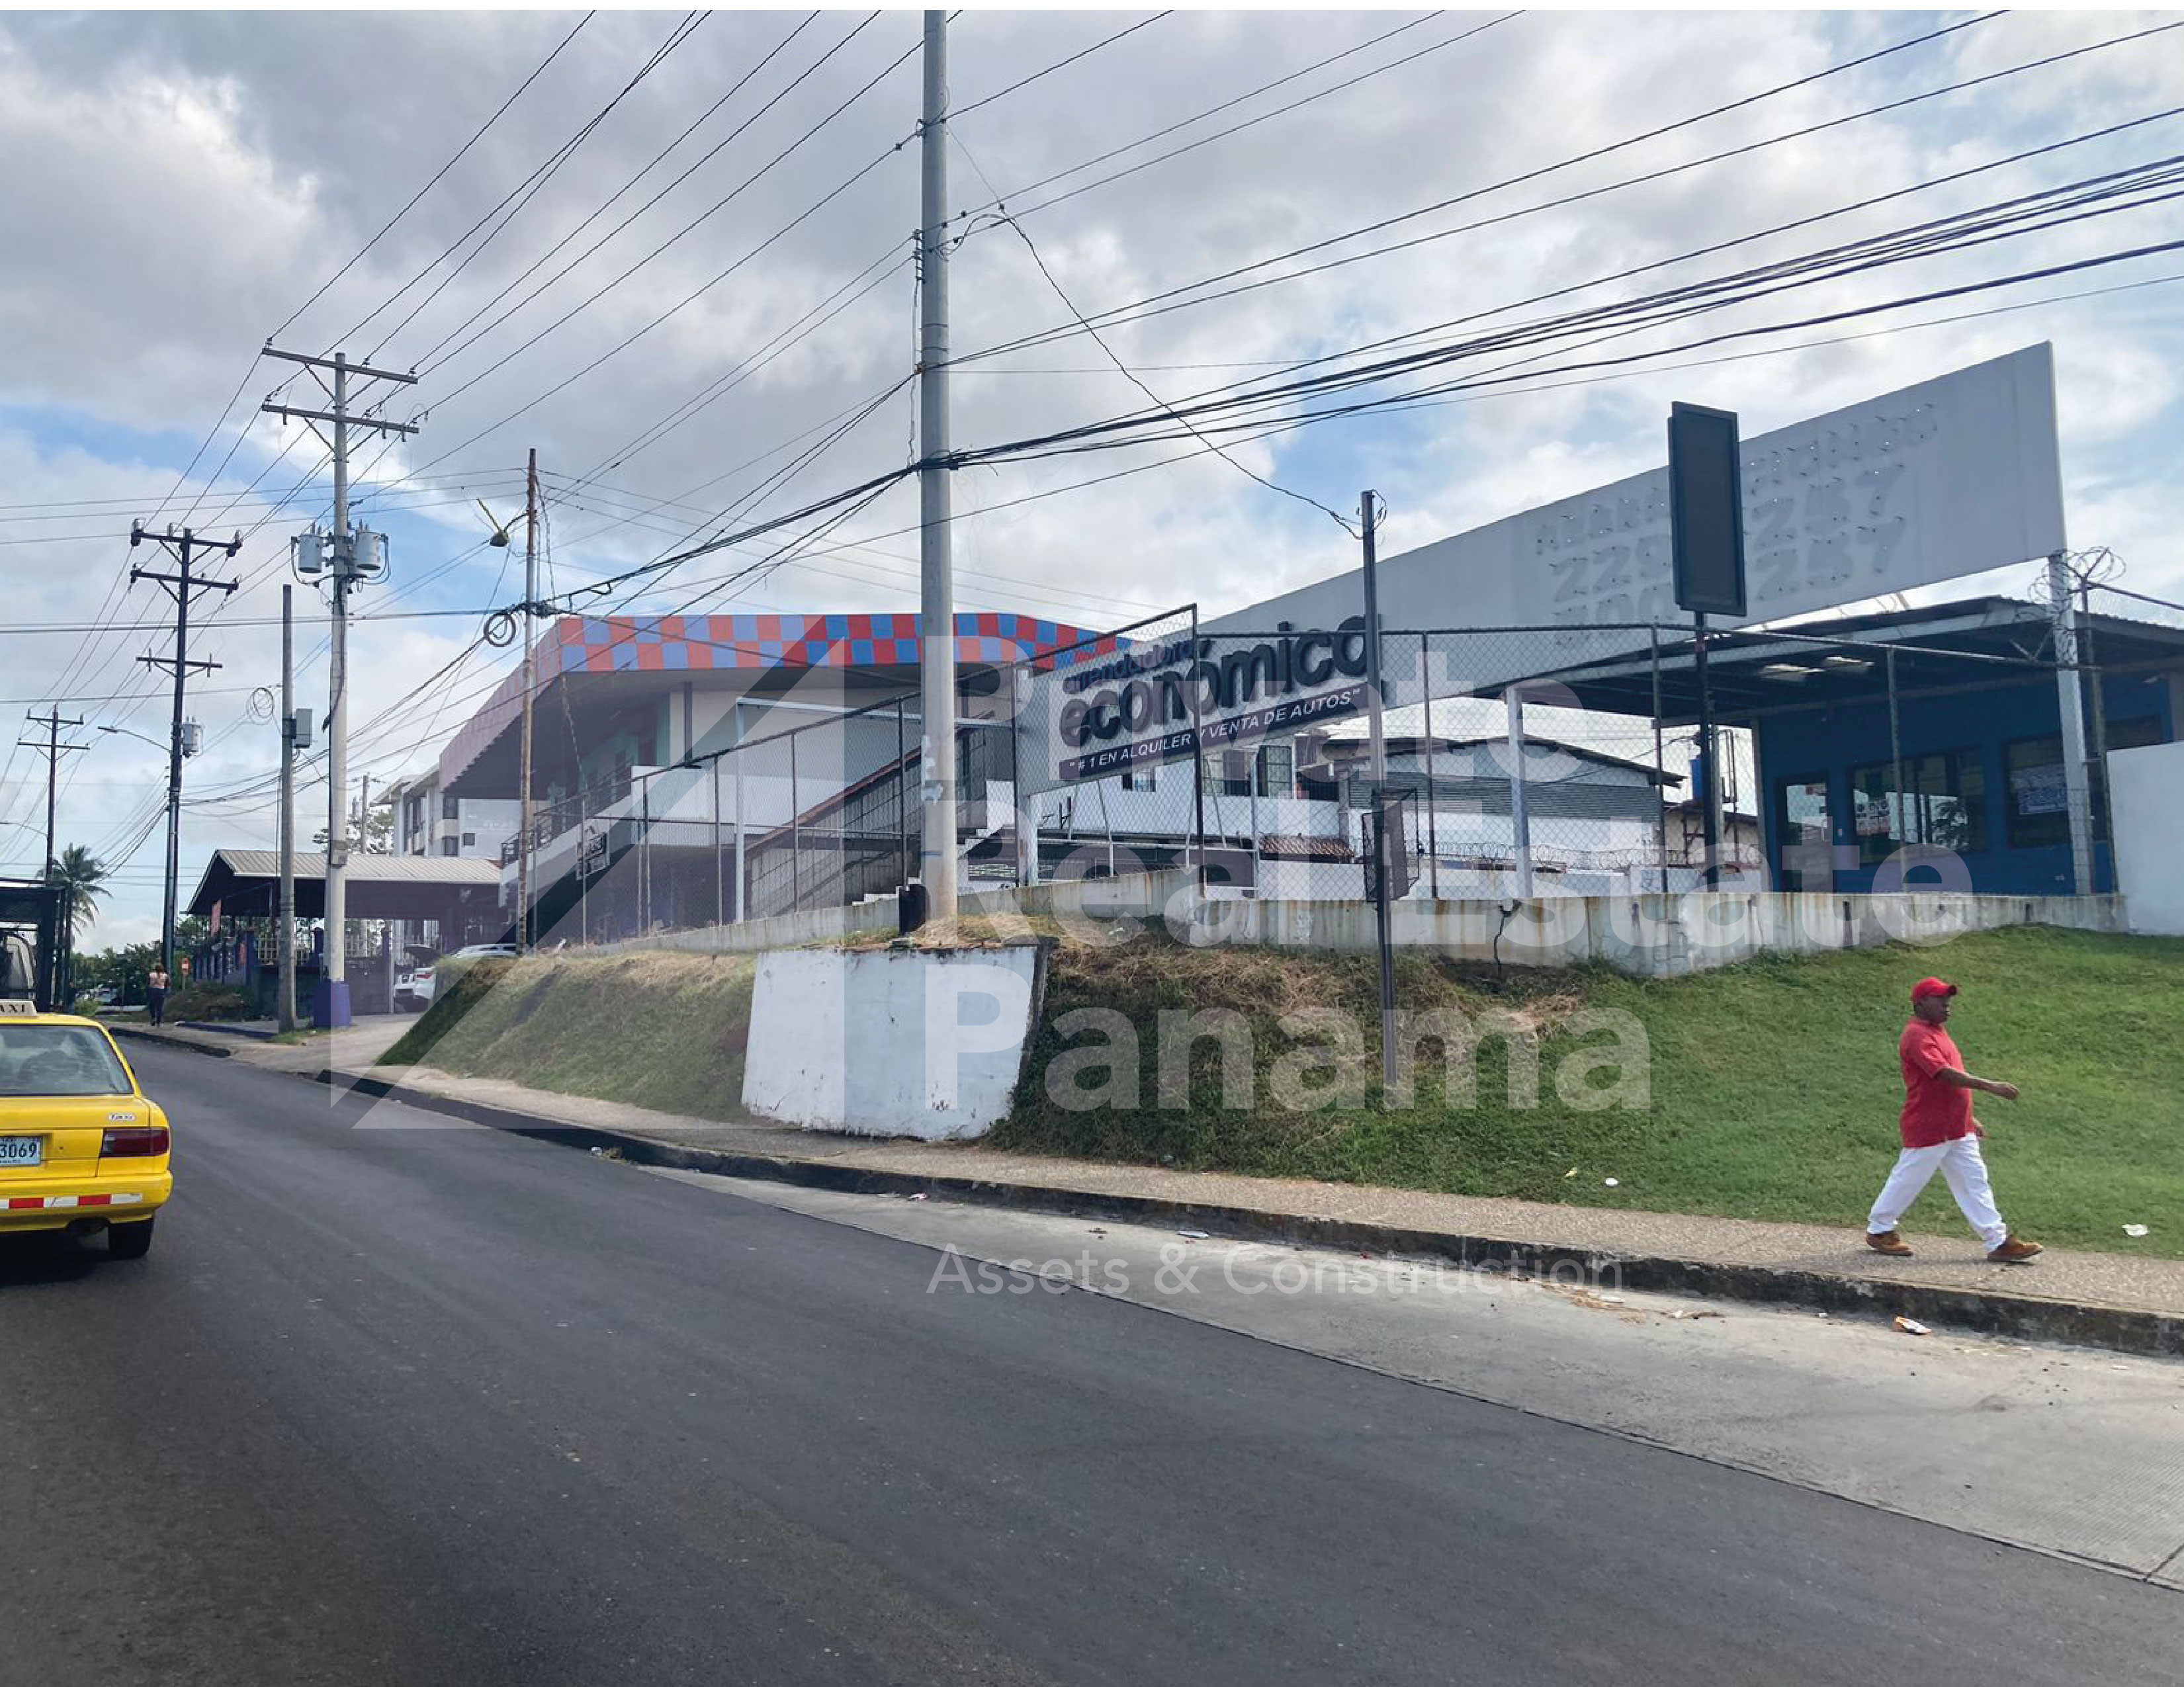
(1954,477)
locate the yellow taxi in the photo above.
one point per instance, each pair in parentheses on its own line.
(82,1146)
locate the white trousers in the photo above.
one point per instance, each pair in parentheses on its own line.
(1957,1161)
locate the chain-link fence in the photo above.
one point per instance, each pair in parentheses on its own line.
(1531,761)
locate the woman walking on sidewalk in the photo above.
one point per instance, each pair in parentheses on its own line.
(155,993)
(1940,1134)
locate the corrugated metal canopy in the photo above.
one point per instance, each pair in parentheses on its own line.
(380,886)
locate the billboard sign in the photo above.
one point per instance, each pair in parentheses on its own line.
(1168,700)
(1954,477)
(1705,510)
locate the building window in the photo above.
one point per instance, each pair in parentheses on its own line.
(449,846)
(469,838)
(1806,831)
(1139,777)
(1277,771)
(451,807)
(1942,805)
(2039,795)
(1228,772)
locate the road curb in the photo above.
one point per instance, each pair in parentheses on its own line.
(145,1034)
(2020,1317)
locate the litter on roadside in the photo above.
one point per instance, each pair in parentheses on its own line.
(2134,1230)
(1681,1314)
(920,1196)
(1572,1172)
(1613,1183)
(1192,1235)
(1912,1327)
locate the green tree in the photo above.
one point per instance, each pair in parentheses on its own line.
(82,875)
(373,836)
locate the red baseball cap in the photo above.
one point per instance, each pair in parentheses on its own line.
(1931,987)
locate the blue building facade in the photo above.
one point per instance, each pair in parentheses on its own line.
(1982,779)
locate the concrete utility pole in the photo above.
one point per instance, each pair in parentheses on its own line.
(1383,858)
(530,686)
(937,649)
(330,1003)
(181,587)
(2077,782)
(52,749)
(293,732)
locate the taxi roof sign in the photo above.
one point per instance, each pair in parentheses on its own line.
(18,1005)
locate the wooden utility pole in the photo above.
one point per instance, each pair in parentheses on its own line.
(182,587)
(52,749)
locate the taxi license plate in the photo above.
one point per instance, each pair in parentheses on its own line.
(22,1150)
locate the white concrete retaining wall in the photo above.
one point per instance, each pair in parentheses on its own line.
(1652,936)
(2145,791)
(891,1042)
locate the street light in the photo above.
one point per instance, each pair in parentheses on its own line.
(188,746)
(187,740)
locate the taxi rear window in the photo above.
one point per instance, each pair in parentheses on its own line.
(59,1060)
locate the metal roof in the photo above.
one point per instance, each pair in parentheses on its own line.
(457,870)
(1976,643)
(1354,746)
(380,886)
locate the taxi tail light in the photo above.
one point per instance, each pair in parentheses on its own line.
(134,1142)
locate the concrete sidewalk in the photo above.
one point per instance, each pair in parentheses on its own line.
(2108,1300)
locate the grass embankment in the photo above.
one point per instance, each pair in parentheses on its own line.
(1772,1086)
(657,1030)
(207,1002)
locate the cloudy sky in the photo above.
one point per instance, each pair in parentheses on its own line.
(678,259)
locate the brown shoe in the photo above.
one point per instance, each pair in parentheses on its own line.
(1888,1242)
(2014,1252)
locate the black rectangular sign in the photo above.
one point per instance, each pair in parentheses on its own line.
(1705,510)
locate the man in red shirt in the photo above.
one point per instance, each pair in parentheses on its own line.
(1940,1134)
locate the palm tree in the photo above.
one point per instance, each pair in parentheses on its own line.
(83,875)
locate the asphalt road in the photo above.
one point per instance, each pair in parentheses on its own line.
(393,1405)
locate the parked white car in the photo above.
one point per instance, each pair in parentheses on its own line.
(413,989)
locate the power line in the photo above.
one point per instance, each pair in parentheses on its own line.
(1136,312)
(1518,333)
(1123,369)
(821,314)
(1060,64)
(435,359)
(1235,129)
(1920,187)
(649,165)
(521,194)
(1226,105)
(411,203)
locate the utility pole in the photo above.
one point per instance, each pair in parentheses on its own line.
(53,749)
(295,730)
(2077,773)
(530,685)
(181,587)
(1383,858)
(348,563)
(937,651)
